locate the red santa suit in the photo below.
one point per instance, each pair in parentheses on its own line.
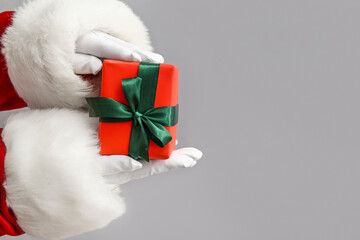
(9,100)
(51,183)
(8,224)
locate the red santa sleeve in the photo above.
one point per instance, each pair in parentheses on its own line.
(9,99)
(8,224)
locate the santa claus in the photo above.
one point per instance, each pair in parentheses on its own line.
(54,183)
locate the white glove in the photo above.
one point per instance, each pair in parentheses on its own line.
(119,169)
(94,46)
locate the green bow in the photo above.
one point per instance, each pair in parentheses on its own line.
(148,122)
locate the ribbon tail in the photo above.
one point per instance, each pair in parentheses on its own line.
(139,142)
(157,133)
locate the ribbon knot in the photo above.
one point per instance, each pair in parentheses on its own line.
(137,115)
(148,122)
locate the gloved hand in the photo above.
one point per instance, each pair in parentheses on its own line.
(94,46)
(119,169)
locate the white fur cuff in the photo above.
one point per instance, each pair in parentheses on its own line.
(39,47)
(53,174)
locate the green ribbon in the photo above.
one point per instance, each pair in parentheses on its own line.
(148,122)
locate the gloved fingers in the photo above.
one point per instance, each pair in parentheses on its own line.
(98,44)
(174,162)
(151,168)
(182,158)
(159,166)
(146,56)
(86,64)
(123,177)
(150,57)
(191,152)
(106,46)
(115,164)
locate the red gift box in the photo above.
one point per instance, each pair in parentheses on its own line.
(115,136)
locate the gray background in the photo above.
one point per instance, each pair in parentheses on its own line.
(270,93)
